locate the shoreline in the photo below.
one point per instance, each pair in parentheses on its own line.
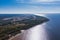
(11,38)
(14,36)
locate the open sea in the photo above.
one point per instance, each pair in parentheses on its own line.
(48,31)
(52,27)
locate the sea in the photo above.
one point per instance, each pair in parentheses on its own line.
(53,26)
(52,29)
(48,31)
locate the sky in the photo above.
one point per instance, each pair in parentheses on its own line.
(29,6)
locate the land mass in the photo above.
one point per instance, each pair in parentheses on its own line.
(10,26)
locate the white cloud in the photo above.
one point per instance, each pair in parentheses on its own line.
(42,0)
(34,1)
(20,1)
(31,9)
(37,1)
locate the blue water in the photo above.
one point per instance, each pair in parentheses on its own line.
(53,26)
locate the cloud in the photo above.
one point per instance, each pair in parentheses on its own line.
(31,9)
(42,1)
(38,1)
(20,1)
